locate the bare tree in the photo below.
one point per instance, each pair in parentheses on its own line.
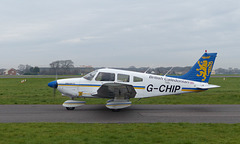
(62,66)
(21,67)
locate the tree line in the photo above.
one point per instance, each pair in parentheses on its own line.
(66,67)
(57,67)
(28,70)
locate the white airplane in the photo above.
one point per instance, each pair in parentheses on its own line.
(120,85)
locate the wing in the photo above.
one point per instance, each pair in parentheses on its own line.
(112,90)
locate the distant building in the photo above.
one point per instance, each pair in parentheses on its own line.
(85,66)
(213,72)
(11,71)
(1,71)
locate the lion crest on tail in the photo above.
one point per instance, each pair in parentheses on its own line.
(204,69)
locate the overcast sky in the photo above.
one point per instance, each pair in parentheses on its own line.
(119,33)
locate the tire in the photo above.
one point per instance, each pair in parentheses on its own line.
(70,108)
(116,110)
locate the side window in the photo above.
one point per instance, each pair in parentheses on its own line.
(102,76)
(123,78)
(137,79)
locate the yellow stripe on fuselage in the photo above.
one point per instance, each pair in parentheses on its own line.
(95,86)
(80,85)
(138,88)
(189,90)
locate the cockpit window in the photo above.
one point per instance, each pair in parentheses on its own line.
(90,75)
(102,76)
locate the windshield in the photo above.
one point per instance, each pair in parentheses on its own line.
(90,75)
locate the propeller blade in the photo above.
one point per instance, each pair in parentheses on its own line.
(54,89)
(54,93)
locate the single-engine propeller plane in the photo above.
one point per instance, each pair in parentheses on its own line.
(119,86)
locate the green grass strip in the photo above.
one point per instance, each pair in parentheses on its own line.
(69,133)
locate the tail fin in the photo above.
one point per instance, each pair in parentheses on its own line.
(202,70)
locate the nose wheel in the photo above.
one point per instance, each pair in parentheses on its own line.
(70,108)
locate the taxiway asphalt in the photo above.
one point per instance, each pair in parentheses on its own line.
(133,114)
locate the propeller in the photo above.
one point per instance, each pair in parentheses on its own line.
(53,85)
(54,90)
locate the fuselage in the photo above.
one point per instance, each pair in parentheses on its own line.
(145,85)
(119,86)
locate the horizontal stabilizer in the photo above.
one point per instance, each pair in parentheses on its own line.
(209,86)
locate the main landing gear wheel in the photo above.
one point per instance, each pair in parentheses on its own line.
(115,110)
(70,108)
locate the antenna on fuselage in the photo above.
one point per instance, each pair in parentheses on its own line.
(169,71)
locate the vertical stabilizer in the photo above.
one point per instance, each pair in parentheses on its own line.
(202,70)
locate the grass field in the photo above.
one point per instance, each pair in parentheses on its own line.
(36,91)
(69,133)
